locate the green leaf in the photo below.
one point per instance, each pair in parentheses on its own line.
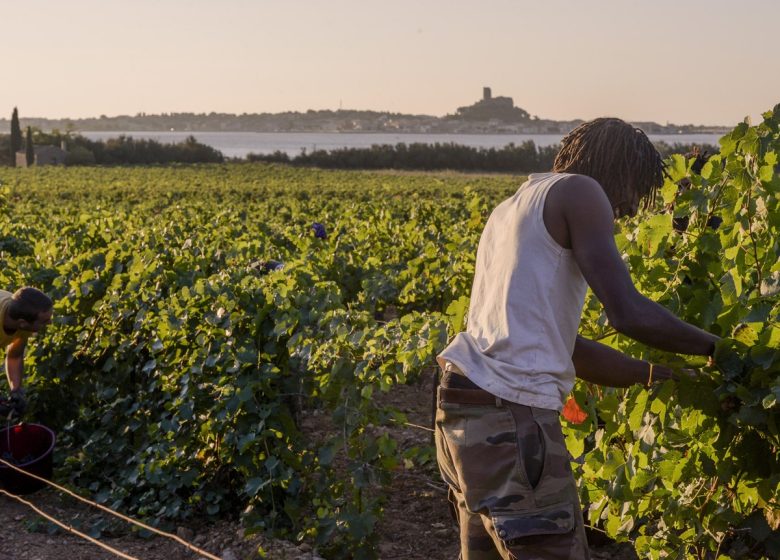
(745,335)
(326,454)
(678,169)
(638,411)
(731,286)
(770,400)
(254,485)
(575,442)
(766,173)
(457,311)
(669,192)
(653,233)
(728,360)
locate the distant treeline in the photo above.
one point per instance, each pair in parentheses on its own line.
(519,158)
(126,150)
(513,158)
(123,150)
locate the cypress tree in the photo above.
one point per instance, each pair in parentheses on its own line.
(28,148)
(16,136)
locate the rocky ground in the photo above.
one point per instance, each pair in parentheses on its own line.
(416,524)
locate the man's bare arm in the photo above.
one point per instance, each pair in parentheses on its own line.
(600,364)
(589,217)
(14,363)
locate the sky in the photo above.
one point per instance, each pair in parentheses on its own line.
(680,61)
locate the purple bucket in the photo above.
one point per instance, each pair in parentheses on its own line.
(31,446)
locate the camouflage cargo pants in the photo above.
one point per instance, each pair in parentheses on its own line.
(510,479)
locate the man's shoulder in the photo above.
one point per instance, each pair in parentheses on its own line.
(585,183)
(5,299)
(573,190)
(563,182)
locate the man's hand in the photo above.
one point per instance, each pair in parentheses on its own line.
(18,402)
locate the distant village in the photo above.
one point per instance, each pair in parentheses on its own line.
(489,115)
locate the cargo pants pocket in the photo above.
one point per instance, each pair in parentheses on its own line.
(549,533)
(514,527)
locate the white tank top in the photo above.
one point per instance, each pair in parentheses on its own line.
(526,304)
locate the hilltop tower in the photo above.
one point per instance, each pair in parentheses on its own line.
(493,108)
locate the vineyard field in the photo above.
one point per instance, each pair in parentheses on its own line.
(205,313)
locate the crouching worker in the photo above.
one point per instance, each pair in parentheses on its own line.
(498,436)
(22,314)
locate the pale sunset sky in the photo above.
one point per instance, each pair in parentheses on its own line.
(682,61)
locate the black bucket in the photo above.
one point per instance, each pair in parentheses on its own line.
(31,446)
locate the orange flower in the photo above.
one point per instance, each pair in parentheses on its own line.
(573,413)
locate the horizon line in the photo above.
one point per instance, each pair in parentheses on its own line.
(142,114)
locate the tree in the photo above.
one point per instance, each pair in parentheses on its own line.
(16,136)
(28,148)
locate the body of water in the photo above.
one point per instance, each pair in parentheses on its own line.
(239,144)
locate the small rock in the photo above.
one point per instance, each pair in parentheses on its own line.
(228,554)
(304,547)
(184,533)
(200,540)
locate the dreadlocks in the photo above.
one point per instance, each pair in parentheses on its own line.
(617,155)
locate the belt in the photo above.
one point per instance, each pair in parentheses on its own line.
(457,388)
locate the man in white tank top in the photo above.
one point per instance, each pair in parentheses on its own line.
(499,441)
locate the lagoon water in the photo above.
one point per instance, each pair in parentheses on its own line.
(239,144)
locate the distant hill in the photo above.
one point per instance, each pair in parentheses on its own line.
(488,115)
(489,108)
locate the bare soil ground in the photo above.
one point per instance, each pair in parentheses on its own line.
(416,523)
